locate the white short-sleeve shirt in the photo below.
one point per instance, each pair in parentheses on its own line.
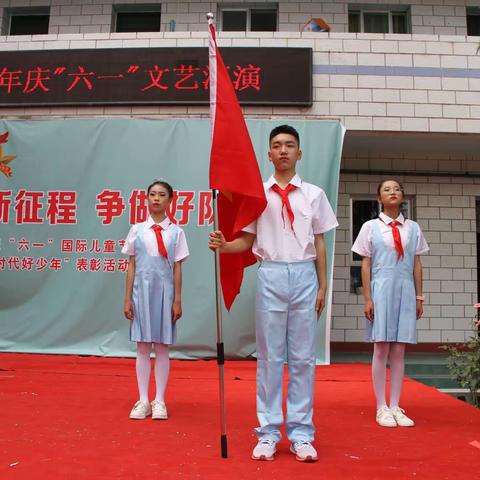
(181,247)
(363,242)
(275,240)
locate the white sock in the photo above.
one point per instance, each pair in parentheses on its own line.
(162,369)
(397,370)
(143,369)
(379,371)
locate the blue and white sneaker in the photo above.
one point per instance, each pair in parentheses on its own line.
(264,450)
(304,451)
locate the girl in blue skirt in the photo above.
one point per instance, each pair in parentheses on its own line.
(392,285)
(153,296)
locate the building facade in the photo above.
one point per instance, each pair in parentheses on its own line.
(403,77)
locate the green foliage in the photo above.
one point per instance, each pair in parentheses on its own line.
(464,365)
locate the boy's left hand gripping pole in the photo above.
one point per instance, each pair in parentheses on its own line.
(220,349)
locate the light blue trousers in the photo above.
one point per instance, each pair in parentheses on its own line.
(285,328)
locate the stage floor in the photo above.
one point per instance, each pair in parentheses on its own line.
(66,417)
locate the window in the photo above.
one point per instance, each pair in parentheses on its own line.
(248,17)
(26,21)
(136,18)
(378,19)
(473,21)
(363,209)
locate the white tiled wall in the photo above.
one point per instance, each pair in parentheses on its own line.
(404,101)
(443,17)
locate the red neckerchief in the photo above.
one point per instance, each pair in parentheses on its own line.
(397,240)
(286,202)
(161,245)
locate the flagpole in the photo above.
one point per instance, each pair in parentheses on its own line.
(220,348)
(218,285)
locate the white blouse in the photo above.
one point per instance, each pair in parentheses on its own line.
(276,241)
(363,242)
(181,247)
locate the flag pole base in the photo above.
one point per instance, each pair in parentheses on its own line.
(223,444)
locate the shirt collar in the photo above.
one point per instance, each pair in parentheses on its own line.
(164,224)
(387,220)
(296,181)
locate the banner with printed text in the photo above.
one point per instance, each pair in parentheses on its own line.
(69,191)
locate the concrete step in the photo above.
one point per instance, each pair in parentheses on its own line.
(426,369)
(436,380)
(430,369)
(460,393)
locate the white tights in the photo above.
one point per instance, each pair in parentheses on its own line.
(381,352)
(161,370)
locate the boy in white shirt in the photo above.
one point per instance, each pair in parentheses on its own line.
(288,241)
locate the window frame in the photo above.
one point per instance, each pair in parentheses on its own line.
(248,8)
(470,12)
(135,8)
(10,13)
(390,10)
(408,201)
(355,265)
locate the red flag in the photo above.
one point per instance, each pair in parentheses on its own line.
(233,171)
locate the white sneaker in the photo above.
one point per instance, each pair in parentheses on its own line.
(140,411)
(385,417)
(304,451)
(264,450)
(159,410)
(400,417)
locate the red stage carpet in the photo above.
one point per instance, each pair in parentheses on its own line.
(66,417)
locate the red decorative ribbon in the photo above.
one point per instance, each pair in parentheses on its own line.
(285,201)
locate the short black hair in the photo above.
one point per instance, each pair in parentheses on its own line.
(164,184)
(284,129)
